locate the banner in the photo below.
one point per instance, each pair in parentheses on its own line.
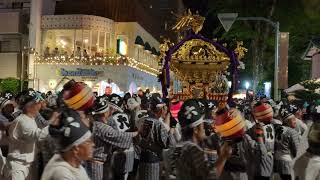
(283,60)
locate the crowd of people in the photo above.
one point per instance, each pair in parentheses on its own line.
(76,135)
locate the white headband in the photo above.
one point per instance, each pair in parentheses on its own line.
(196,123)
(79,141)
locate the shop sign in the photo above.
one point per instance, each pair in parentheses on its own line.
(80,72)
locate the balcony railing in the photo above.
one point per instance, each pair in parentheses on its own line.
(114,60)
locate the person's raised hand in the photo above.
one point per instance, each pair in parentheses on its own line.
(55,120)
(225,150)
(258,131)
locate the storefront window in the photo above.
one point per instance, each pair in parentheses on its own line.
(101,41)
(78,42)
(58,42)
(94,42)
(108,39)
(86,42)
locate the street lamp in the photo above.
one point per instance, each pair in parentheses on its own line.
(227,20)
(247,85)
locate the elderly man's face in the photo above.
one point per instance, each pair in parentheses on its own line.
(85,150)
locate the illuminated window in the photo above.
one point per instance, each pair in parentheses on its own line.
(101,41)
(122,47)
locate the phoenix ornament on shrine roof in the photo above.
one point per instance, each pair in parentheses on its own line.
(195,21)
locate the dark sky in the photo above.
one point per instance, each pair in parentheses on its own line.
(196,5)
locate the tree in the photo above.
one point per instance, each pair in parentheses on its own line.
(10,85)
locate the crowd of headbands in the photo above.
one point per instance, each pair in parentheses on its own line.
(77,135)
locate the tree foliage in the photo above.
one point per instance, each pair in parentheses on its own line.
(10,85)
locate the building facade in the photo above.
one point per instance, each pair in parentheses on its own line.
(97,51)
(14,18)
(44,37)
(312,54)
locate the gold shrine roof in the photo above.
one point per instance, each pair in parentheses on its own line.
(199,52)
(198,61)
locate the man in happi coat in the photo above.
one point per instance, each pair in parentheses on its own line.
(191,162)
(261,166)
(24,134)
(122,161)
(154,138)
(106,139)
(286,144)
(76,146)
(231,126)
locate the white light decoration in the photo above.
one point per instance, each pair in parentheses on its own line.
(247,85)
(106,60)
(267,89)
(86,41)
(63,42)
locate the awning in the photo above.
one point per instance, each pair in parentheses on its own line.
(293,88)
(147,47)
(154,51)
(139,41)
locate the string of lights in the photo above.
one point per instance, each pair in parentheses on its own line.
(115,60)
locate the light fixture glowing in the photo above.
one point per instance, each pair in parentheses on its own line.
(63,42)
(267,89)
(52,83)
(247,85)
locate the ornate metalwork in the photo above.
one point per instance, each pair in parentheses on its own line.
(198,61)
(197,91)
(220,84)
(197,50)
(189,20)
(240,50)
(164,47)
